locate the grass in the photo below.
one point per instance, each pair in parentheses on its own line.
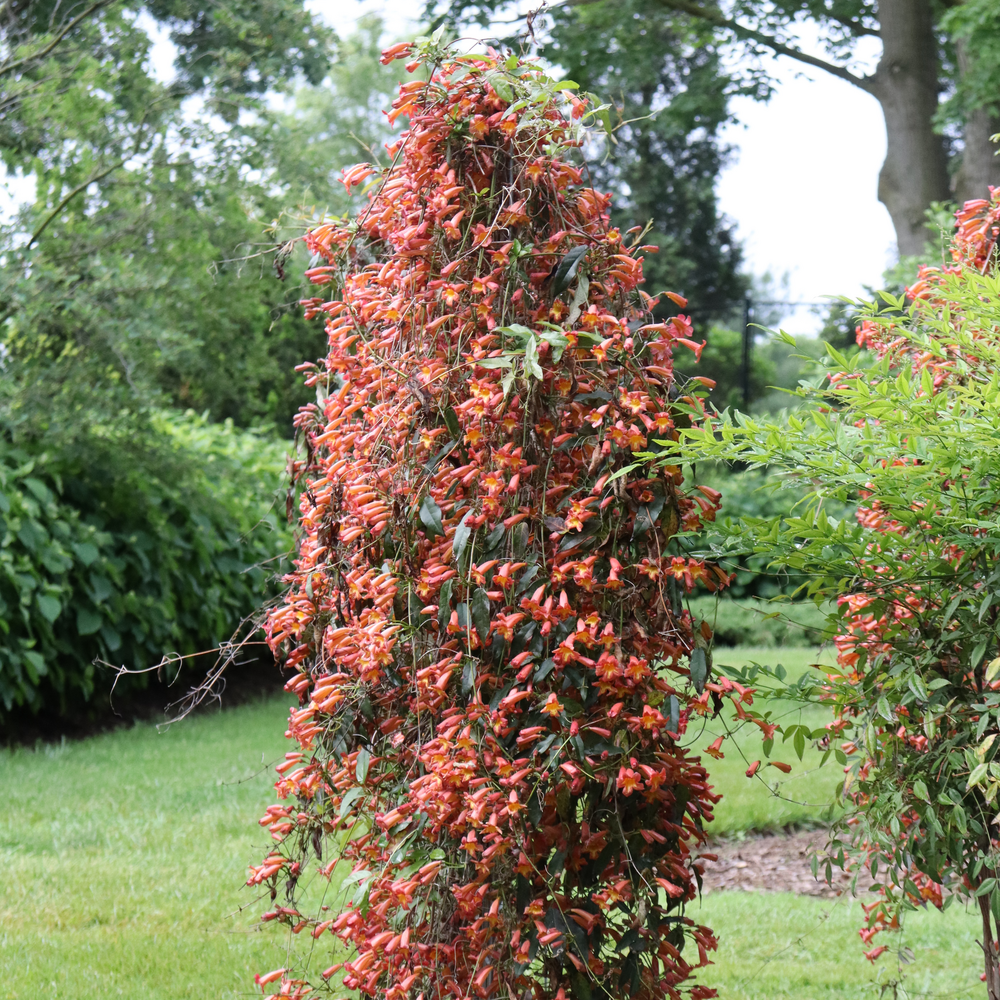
(124,858)
(771,799)
(778,946)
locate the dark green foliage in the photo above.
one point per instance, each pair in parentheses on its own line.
(774,366)
(146,276)
(671,95)
(127,549)
(168,286)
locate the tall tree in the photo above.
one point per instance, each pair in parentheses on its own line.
(141,273)
(937,67)
(937,80)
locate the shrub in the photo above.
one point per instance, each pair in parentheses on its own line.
(127,549)
(494,667)
(908,432)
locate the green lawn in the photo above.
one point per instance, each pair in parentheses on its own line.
(771,799)
(124,858)
(777,946)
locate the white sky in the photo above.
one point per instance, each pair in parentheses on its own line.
(801,187)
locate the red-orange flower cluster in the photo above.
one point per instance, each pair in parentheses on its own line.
(485,619)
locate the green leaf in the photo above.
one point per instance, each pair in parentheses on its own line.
(501,362)
(87,621)
(519,539)
(977,654)
(39,489)
(516,330)
(462,535)
(544,669)
(557,340)
(978,773)
(444,604)
(567,268)
(580,300)
(699,669)
(452,423)
(480,608)
(49,606)
(917,687)
(468,677)
(350,797)
(507,382)
(86,553)
(361,768)
(502,86)
(799,742)
(37,661)
(430,517)
(532,368)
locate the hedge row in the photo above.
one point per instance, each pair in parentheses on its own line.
(130,548)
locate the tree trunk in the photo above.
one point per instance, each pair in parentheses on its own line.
(990,952)
(906,84)
(980,165)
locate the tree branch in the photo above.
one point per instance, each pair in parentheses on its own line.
(86,184)
(80,187)
(60,35)
(769,41)
(856,27)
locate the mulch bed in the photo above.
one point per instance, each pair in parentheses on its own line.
(779,862)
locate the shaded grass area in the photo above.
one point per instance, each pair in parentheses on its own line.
(771,799)
(124,856)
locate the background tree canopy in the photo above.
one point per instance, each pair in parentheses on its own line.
(155,272)
(936,79)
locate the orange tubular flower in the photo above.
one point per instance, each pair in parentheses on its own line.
(479,541)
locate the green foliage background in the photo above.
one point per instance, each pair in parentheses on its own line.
(130,550)
(151,280)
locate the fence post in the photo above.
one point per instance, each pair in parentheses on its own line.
(747,345)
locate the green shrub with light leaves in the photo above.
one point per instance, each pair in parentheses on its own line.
(907,433)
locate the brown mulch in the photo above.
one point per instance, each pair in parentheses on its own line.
(779,862)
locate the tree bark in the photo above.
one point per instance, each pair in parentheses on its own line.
(906,85)
(980,165)
(989,951)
